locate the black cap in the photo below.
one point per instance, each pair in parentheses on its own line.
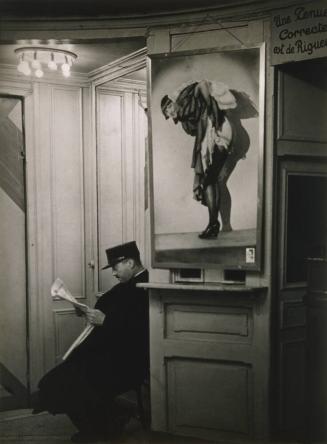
(118,253)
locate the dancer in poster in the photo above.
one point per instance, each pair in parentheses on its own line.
(211,113)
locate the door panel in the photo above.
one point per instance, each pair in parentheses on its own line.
(13,331)
(121,136)
(63,152)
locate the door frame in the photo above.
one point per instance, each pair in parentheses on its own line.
(291,307)
(29,92)
(294,153)
(25,91)
(22,398)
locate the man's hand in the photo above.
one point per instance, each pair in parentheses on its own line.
(95,317)
(79,312)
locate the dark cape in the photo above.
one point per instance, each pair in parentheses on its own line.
(113,359)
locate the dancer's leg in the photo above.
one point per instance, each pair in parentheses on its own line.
(225,205)
(212,229)
(211,201)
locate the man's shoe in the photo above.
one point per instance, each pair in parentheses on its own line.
(38,407)
(37,410)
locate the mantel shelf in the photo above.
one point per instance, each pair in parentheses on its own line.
(223,287)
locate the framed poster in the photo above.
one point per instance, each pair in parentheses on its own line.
(206,158)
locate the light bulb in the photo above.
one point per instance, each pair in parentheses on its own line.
(39,73)
(23,65)
(52,64)
(25,68)
(65,67)
(35,62)
(20,67)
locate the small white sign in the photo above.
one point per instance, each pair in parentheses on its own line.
(250,255)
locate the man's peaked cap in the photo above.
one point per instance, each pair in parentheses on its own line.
(118,253)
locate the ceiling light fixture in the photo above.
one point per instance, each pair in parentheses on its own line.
(37,57)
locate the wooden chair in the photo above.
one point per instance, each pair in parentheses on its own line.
(142,398)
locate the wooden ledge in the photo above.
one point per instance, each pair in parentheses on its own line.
(221,287)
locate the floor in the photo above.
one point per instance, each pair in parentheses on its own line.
(20,426)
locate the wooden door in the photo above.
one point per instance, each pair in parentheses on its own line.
(62,228)
(13,289)
(302,234)
(301,226)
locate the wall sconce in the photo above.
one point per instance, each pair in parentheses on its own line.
(35,58)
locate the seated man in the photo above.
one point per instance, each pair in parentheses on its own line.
(113,359)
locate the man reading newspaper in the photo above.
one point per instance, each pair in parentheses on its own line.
(112,359)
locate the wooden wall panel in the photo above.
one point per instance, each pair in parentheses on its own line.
(64,336)
(205,369)
(219,401)
(208,323)
(293,314)
(303,102)
(293,367)
(67,188)
(110,187)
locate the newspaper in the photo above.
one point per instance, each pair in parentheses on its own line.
(59,289)
(87,330)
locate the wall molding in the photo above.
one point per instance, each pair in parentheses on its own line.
(124,85)
(15,87)
(131,25)
(119,68)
